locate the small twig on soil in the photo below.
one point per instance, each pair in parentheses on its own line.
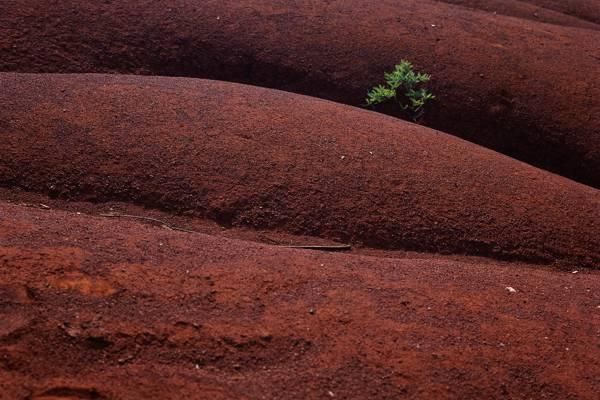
(158,221)
(340,247)
(40,205)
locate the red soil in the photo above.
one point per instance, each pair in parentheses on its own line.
(114,306)
(526,89)
(584,9)
(96,308)
(535,12)
(246,156)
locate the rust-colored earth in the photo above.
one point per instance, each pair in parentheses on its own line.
(573,13)
(148,224)
(247,156)
(97,308)
(524,88)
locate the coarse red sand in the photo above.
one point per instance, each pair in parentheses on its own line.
(96,308)
(574,13)
(587,10)
(246,156)
(527,89)
(146,222)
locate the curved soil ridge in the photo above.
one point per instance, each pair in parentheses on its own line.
(588,10)
(97,308)
(534,12)
(247,156)
(525,89)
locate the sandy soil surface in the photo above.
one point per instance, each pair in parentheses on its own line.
(246,156)
(154,230)
(526,89)
(588,10)
(97,308)
(575,13)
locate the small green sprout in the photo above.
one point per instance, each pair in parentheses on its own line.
(404,86)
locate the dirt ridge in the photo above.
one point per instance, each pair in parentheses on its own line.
(522,88)
(97,308)
(247,156)
(582,15)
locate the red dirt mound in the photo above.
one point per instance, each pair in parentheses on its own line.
(522,9)
(103,309)
(246,156)
(526,89)
(588,10)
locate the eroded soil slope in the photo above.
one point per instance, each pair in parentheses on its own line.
(246,156)
(534,12)
(97,308)
(526,89)
(583,9)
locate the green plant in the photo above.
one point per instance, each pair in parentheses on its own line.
(404,86)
